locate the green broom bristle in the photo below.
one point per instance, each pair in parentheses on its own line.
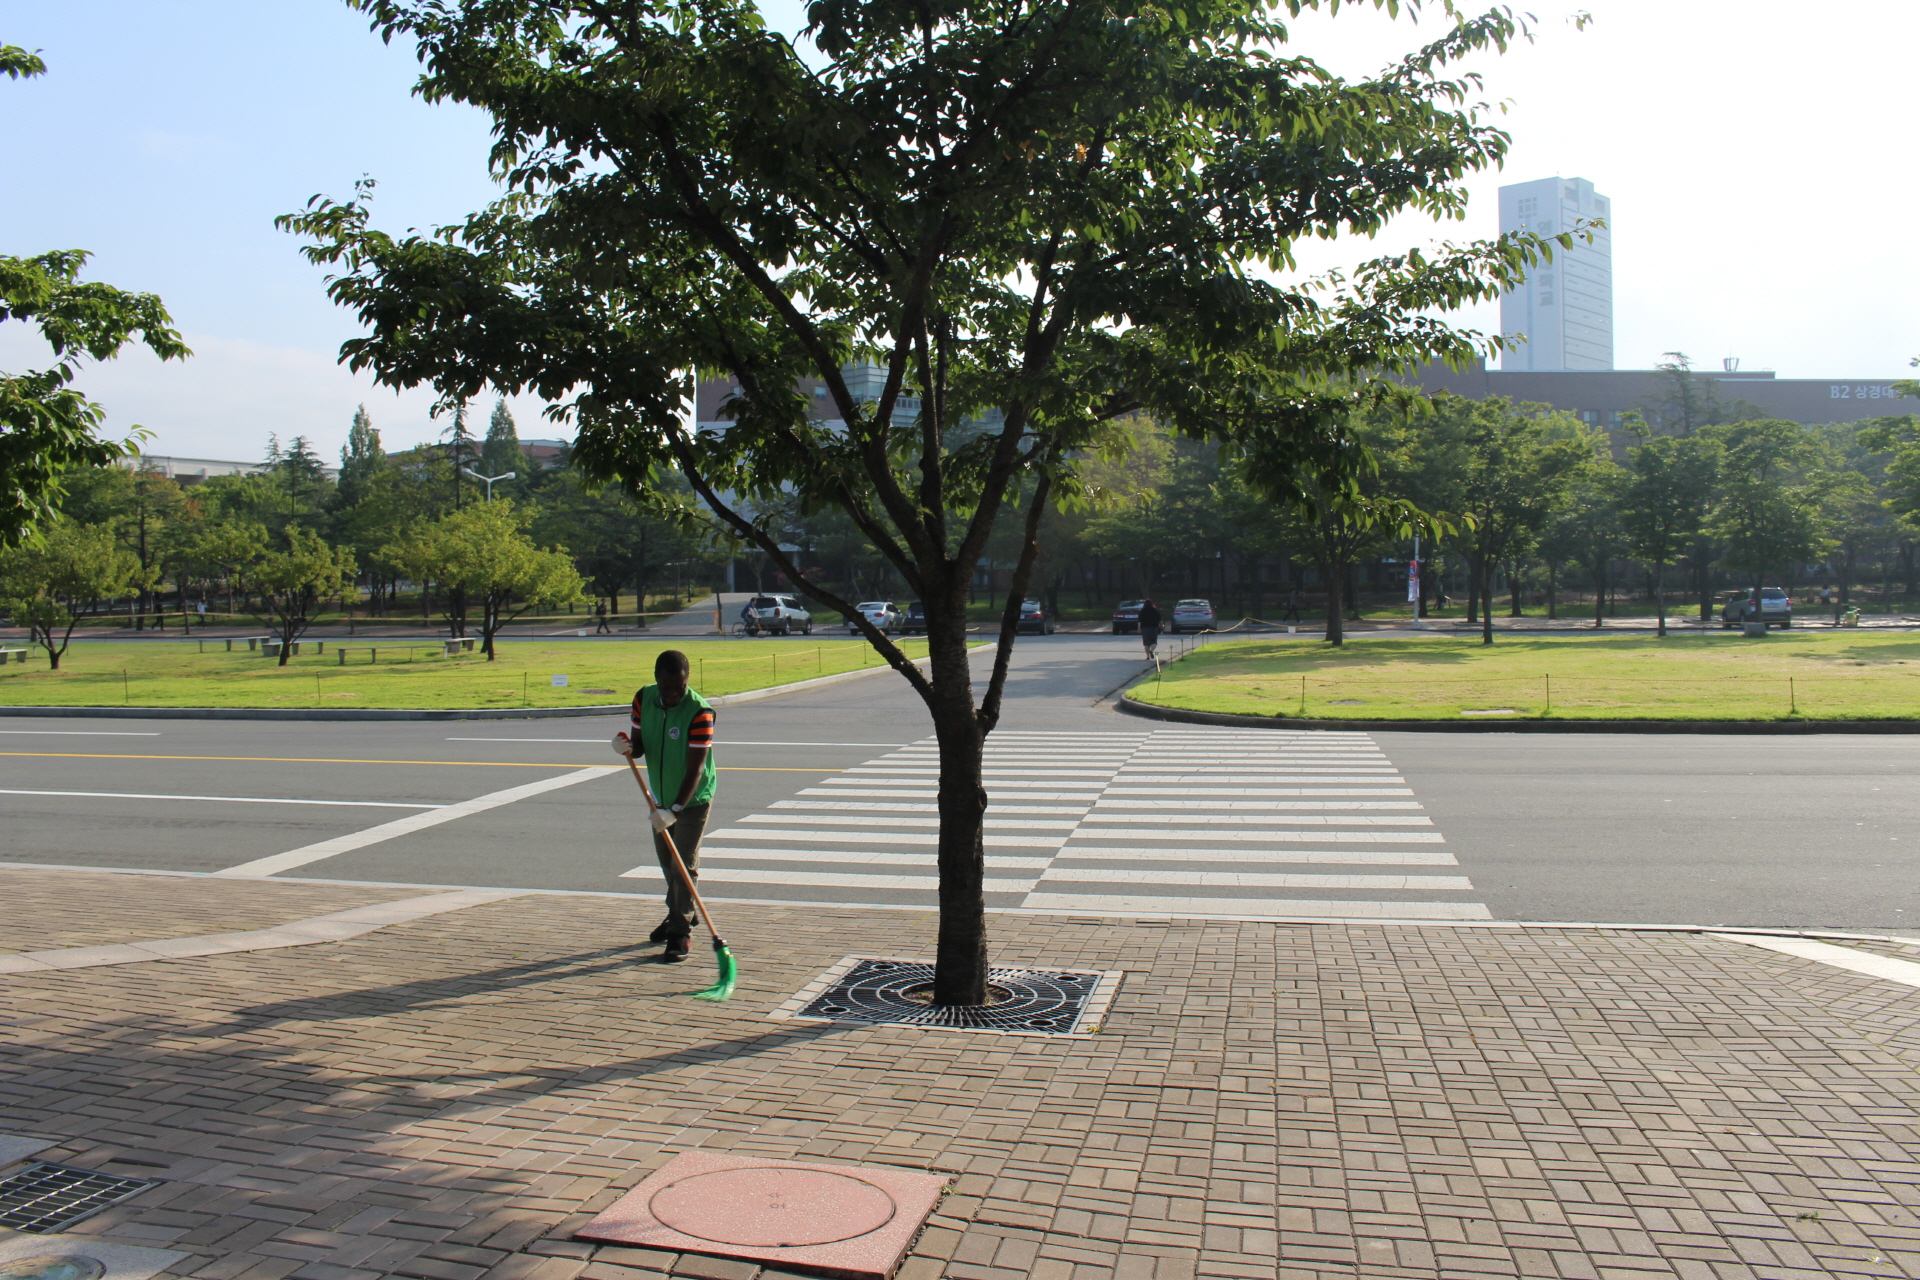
(729,974)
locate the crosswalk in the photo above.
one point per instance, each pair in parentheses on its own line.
(1188,821)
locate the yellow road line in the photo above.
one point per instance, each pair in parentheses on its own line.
(484,764)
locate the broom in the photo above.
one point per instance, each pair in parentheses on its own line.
(729,971)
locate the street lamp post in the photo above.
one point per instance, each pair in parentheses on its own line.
(488,479)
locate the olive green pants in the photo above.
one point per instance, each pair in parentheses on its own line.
(686,831)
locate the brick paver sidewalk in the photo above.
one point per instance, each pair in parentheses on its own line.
(448,1099)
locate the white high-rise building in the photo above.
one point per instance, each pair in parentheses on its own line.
(1565,309)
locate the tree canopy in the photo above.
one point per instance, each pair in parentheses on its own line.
(48,429)
(986,229)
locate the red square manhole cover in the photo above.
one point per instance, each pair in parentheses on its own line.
(839,1220)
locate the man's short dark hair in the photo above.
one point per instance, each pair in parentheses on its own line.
(671,660)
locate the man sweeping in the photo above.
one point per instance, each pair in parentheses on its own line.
(672,730)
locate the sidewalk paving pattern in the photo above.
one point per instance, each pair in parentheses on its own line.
(449,1098)
(1199,822)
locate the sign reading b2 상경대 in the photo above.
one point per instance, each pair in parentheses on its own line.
(559,682)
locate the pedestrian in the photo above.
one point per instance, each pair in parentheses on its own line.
(1149,626)
(1292,613)
(600,612)
(159,616)
(672,730)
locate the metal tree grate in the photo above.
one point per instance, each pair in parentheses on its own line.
(1034,1001)
(47,1197)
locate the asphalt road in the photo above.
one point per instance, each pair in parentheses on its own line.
(1713,830)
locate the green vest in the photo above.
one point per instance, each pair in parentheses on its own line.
(663,737)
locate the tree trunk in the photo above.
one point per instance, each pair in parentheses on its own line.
(1701,566)
(960,967)
(1335,574)
(1660,595)
(1513,590)
(1486,601)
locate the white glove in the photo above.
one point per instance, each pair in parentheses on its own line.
(622,745)
(661,819)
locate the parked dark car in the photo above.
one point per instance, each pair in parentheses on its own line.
(1035,618)
(1126,617)
(914,620)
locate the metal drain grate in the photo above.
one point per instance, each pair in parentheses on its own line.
(51,1197)
(1034,1001)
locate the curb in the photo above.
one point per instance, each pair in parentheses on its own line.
(371,713)
(1147,710)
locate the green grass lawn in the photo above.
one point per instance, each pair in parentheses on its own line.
(170,674)
(1702,676)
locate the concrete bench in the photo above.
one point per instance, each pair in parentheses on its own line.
(14,655)
(460,644)
(373,651)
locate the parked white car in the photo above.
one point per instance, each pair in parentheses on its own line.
(782,615)
(1191,615)
(883,614)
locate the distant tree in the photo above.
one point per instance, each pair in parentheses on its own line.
(1769,514)
(289,585)
(1589,529)
(48,584)
(1521,461)
(484,551)
(219,551)
(1688,401)
(360,460)
(501,452)
(461,451)
(613,539)
(1665,505)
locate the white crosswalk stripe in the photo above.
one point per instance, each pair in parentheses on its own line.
(1186,821)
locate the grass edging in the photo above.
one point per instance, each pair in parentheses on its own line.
(1128,705)
(395,713)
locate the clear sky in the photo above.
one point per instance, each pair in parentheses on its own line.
(1757,152)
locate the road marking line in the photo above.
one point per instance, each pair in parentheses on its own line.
(856,806)
(1084,834)
(902,837)
(1107,820)
(1135,807)
(1062,825)
(1268,857)
(1865,962)
(137,795)
(458,764)
(1244,907)
(722,742)
(296,933)
(833,879)
(1257,879)
(86,733)
(1259,791)
(415,822)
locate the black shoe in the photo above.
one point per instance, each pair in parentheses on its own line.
(676,950)
(663,930)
